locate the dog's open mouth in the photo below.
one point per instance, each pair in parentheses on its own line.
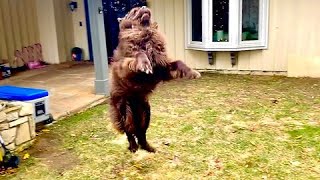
(145,19)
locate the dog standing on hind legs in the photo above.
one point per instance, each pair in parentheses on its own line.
(129,105)
(140,63)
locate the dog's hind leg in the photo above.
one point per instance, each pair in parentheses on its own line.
(133,147)
(145,113)
(129,126)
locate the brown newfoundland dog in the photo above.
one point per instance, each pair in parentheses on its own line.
(140,62)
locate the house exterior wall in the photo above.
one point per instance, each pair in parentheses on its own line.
(48,30)
(49,22)
(65,29)
(80,32)
(18,27)
(56,30)
(294,39)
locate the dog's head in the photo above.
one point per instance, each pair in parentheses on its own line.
(137,16)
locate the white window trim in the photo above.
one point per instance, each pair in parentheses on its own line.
(235,28)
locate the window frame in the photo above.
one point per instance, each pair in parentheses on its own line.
(235,42)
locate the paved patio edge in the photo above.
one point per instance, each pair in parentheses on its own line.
(82,108)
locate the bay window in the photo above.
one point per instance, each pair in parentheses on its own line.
(226,25)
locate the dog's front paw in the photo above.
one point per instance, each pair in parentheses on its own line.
(143,63)
(193,74)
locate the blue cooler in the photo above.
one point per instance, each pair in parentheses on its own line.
(38,97)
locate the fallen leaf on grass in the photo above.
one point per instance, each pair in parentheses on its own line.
(214,167)
(209,173)
(26,156)
(215,164)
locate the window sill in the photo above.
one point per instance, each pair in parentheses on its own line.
(224,49)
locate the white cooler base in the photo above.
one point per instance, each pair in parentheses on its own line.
(41,109)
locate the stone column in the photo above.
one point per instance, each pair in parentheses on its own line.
(17,125)
(99,45)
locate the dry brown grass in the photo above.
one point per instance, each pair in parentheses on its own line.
(216,127)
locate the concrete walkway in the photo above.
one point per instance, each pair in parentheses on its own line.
(71,87)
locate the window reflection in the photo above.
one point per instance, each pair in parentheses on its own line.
(250,20)
(220,20)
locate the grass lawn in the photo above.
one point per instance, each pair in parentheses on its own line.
(216,127)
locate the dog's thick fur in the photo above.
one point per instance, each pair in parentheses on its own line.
(140,64)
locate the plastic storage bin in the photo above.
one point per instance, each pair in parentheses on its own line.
(76,54)
(5,71)
(38,97)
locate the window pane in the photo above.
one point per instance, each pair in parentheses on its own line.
(220,20)
(250,20)
(196,11)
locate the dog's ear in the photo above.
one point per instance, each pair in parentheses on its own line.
(132,13)
(125,24)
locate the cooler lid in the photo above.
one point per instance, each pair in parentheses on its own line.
(14,93)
